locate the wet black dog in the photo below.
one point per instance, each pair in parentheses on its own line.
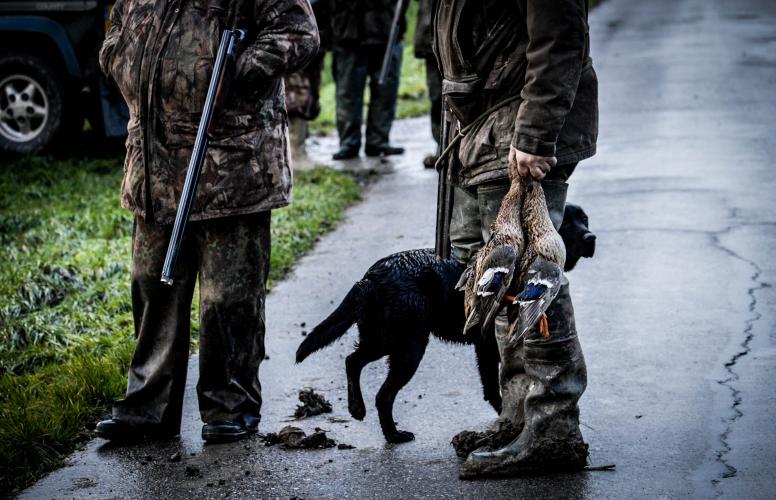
(402,299)
(575,231)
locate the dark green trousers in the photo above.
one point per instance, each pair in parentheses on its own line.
(231,257)
(352,67)
(434,84)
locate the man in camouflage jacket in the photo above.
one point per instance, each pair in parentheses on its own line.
(160,53)
(529,59)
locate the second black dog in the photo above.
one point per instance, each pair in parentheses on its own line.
(400,301)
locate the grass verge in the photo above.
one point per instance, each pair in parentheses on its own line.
(65,314)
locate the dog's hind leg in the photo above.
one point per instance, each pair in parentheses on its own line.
(402,366)
(354,363)
(487,363)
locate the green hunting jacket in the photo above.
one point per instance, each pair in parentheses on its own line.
(160,53)
(537,51)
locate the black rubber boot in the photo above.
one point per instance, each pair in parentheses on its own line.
(385,150)
(550,440)
(513,385)
(430,161)
(345,153)
(225,432)
(118,431)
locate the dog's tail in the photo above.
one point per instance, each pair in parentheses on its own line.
(338,322)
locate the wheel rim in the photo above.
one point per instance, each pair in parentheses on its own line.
(24,108)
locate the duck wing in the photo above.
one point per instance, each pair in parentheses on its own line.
(496,278)
(543,282)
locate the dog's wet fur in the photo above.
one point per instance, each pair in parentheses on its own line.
(400,301)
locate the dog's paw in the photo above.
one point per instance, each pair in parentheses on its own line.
(357,411)
(399,437)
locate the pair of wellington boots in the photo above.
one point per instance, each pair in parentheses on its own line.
(541,382)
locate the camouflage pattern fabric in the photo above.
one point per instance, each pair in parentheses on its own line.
(303,90)
(351,68)
(160,54)
(231,257)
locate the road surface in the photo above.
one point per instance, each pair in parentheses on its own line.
(676,312)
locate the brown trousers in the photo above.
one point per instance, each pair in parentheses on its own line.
(231,256)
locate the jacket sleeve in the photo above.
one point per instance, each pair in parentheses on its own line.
(111,37)
(286,40)
(555,55)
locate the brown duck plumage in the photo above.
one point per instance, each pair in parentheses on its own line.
(523,245)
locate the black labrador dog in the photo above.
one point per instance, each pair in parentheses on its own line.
(402,299)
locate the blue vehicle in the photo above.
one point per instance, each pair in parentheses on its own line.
(51,87)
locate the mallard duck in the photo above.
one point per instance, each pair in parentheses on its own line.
(524,251)
(542,264)
(492,274)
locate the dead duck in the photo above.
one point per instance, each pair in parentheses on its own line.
(492,275)
(521,265)
(541,270)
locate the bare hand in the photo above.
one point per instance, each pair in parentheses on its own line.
(525,164)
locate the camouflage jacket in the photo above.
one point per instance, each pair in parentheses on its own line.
(303,89)
(537,51)
(160,54)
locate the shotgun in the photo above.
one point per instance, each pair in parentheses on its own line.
(217,92)
(444,190)
(392,40)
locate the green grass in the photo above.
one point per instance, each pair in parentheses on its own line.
(65,314)
(413,93)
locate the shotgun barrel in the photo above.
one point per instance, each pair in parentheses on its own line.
(392,40)
(444,191)
(216,94)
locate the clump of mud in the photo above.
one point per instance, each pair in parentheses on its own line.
(467,441)
(312,404)
(295,438)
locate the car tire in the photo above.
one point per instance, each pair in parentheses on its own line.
(32,102)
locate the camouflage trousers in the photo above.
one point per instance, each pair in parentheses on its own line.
(351,68)
(231,257)
(474,210)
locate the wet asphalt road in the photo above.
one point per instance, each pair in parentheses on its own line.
(676,312)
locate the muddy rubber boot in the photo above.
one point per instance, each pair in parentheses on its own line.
(513,381)
(550,440)
(513,385)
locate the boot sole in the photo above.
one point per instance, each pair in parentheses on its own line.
(215,438)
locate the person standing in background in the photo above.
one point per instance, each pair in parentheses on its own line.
(303,90)
(360,32)
(423,45)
